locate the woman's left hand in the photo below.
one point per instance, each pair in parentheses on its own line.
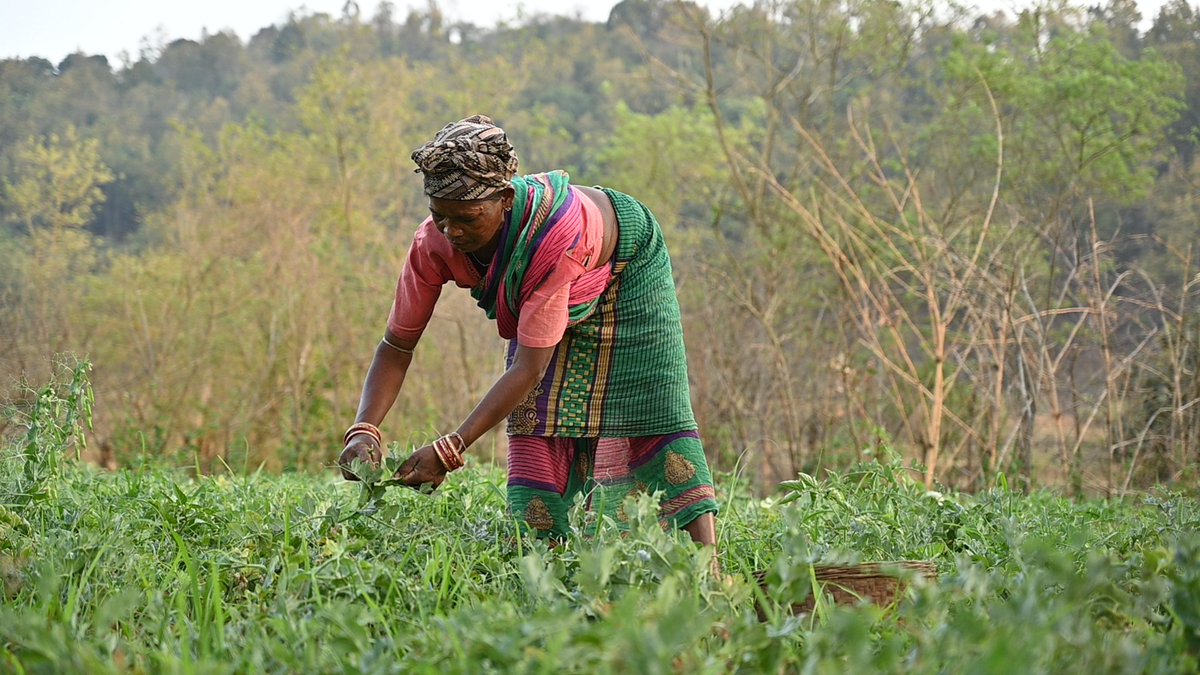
(421,468)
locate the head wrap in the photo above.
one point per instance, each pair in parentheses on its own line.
(469,159)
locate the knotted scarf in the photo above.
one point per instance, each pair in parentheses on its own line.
(468,159)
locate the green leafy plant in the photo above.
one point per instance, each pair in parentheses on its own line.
(375,480)
(161,570)
(54,417)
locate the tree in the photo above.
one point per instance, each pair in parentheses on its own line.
(59,184)
(1175,35)
(54,197)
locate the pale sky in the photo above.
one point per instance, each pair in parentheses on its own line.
(54,28)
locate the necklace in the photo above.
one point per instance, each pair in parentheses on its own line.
(477,261)
(484,264)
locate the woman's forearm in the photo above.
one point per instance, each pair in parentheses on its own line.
(512,388)
(384,379)
(508,391)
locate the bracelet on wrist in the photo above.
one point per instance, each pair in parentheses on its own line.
(360,428)
(361,433)
(450,450)
(397,347)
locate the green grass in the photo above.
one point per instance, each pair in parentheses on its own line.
(156,571)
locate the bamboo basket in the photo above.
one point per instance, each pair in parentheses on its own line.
(879,583)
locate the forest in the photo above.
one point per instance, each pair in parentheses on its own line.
(969,237)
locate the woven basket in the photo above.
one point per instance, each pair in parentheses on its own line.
(879,583)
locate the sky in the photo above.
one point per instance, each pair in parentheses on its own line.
(54,28)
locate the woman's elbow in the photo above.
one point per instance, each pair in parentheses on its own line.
(533,363)
(532,373)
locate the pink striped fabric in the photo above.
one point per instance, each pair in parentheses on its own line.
(541,463)
(562,237)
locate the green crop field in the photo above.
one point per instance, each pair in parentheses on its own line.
(157,570)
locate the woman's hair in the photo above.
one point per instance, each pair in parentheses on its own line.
(469,159)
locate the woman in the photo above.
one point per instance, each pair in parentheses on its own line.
(579,281)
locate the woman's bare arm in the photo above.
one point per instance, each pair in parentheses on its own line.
(385,377)
(513,386)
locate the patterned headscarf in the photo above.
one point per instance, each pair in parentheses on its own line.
(469,159)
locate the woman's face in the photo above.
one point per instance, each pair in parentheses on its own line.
(471,225)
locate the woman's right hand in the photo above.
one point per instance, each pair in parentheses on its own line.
(361,447)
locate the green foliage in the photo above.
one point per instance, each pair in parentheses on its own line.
(669,159)
(1080,116)
(152,570)
(54,419)
(60,182)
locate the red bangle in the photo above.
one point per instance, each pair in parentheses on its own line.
(453,458)
(447,463)
(450,456)
(361,432)
(460,452)
(362,428)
